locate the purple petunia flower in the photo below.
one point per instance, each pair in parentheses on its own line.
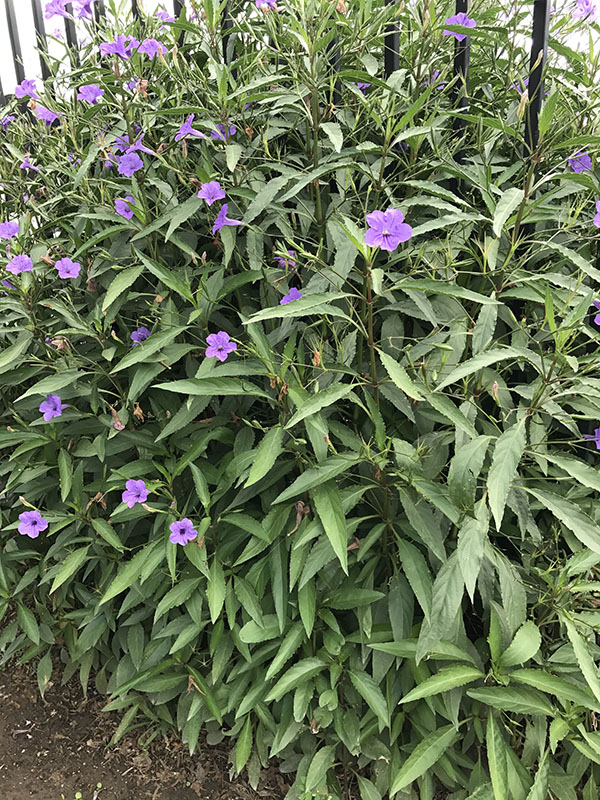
(292,295)
(460,19)
(122,46)
(85,10)
(8,229)
(52,407)
(363,86)
(580,162)
(595,437)
(219,346)
(139,335)
(182,532)
(222,220)
(28,165)
(31,523)
(597,217)
(67,268)
(187,130)
(220,132)
(90,93)
(129,163)
(585,9)
(45,115)
(164,16)
(210,192)
(387,229)
(55,8)
(122,206)
(152,47)
(20,264)
(26,88)
(135,492)
(287,262)
(6,120)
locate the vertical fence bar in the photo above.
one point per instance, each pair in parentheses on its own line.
(462,55)
(391,45)
(40,35)
(71,34)
(537,62)
(135,9)
(15,43)
(100,10)
(226,24)
(177,7)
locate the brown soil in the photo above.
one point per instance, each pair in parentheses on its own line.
(51,749)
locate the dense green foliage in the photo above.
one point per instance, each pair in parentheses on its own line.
(393,587)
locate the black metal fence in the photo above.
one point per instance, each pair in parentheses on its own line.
(539,51)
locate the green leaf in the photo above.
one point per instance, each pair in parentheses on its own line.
(211,387)
(352,597)
(65,471)
(28,623)
(407,648)
(497,758)
(318,401)
(69,567)
(525,644)
(12,355)
(516,700)
(264,198)
(267,453)
(107,532)
(215,591)
(479,362)
(445,406)
(505,206)
(316,303)
(317,476)
(584,658)
(328,504)
(579,470)
(317,772)
(539,789)
(291,642)
(167,276)
(148,348)
(132,569)
(424,756)
(243,746)
(44,672)
(443,288)
(571,516)
(400,376)
(371,694)
(561,688)
(296,675)
(122,281)
(447,678)
(53,383)
(334,132)
(507,455)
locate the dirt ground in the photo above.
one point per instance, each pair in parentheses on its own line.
(51,749)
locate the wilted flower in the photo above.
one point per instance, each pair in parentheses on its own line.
(20,264)
(28,165)
(222,220)
(220,132)
(6,120)
(293,294)
(387,229)
(26,88)
(460,19)
(585,8)
(595,437)
(151,47)
(90,93)
(597,217)
(187,130)
(182,532)
(122,206)
(210,192)
(52,407)
(45,115)
(135,492)
(287,262)
(219,346)
(128,164)
(580,162)
(8,229)
(67,268)
(55,8)
(31,523)
(138,336)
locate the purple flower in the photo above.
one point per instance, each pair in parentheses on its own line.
(580,162)
(52,407)
(139,335)
(67,268)
(219,346)
(8,229)
(210,192)
(152,47)
(220,132)
(72,160)
(45,115)
(57,33)
(187,130)
(122,143)
(269,3)
(182,532)
(20,264)
(597,217)
(55,8)
(585,8)
(460,19)
(28,165)
(8,285)
(363,86)
(595,437)
(6,120)
(90,93)
(222,220)
(122,206)
(597,317)
(31,524)
(387,229)
(122,46)
(164,16)
(135,492)
(85,9)
(129,163)
(287,262)
(26,88)
(131,85)
(433,79)
(292,295)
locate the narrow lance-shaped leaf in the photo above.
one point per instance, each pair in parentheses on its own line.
(505,461)
(424,756)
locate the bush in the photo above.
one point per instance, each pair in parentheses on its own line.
(382,460)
